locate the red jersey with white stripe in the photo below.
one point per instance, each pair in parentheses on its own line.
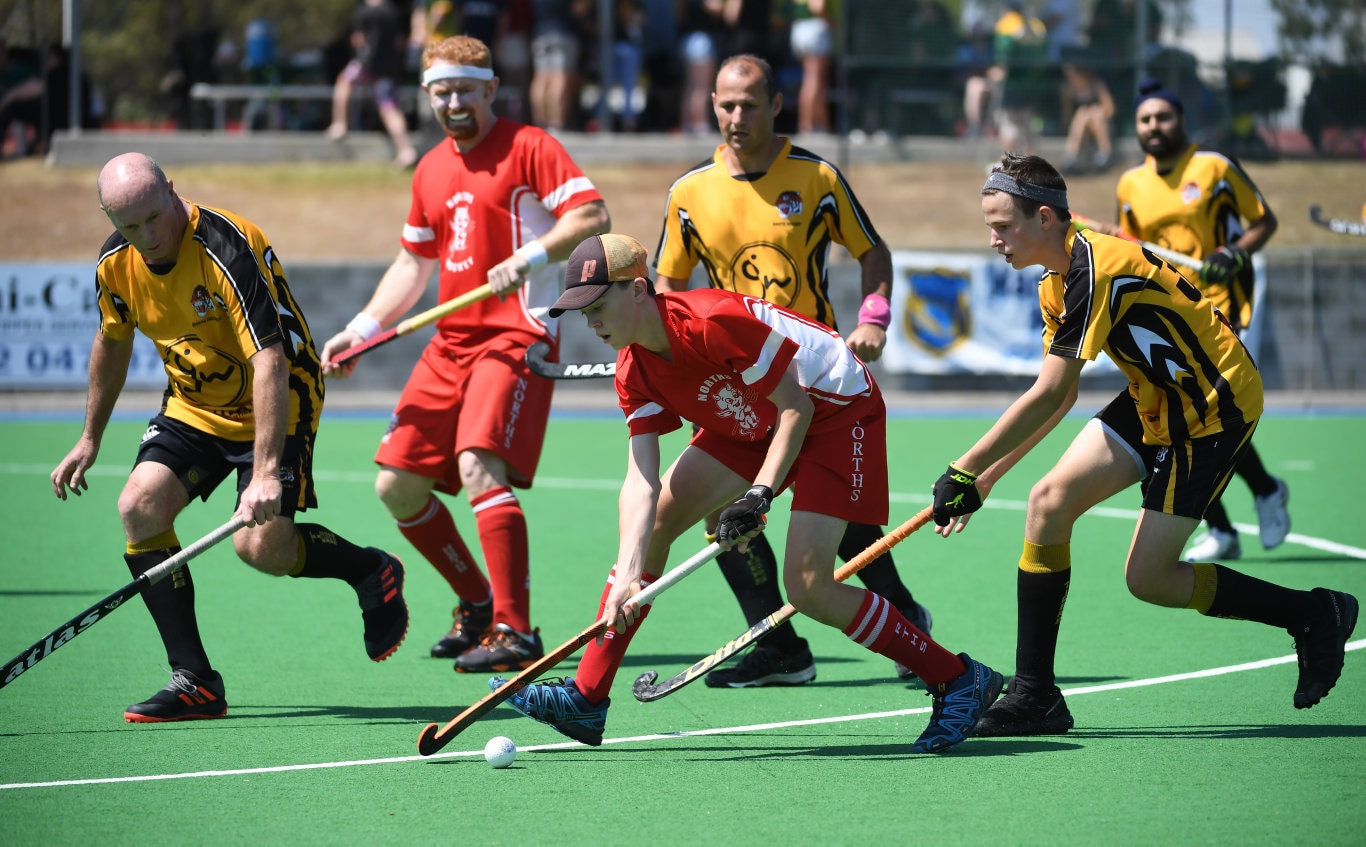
(471,210)
(729,351)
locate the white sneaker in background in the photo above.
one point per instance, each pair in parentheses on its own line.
(1214,546)
(1273,519)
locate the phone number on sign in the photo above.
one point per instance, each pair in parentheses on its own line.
(65,364)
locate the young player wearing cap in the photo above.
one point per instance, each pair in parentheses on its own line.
(779,401)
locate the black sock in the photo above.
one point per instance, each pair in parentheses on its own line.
(753,579)
(880,575)
(1217,517)
(327,555)
(1040,598)
(1251,469)
(1243,597)
(171,604)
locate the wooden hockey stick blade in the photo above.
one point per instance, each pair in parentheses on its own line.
(98,612)
(1083,222)
(416,322)
(535,360)
(433,738)
(1341,226)
(645,689)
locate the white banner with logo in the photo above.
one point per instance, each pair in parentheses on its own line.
(971,313)
(48,319)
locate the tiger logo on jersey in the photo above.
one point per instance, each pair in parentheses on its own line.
(733,405)
(789,204)
(200,301)
(1190,192)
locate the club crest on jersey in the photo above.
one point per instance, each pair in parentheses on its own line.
(789,204)
(1190,192)
(201,301)
(938,315)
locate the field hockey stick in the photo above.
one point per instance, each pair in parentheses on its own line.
(416,322)
(535,361)
(1341,226)
(98,612)
(1083,222)
(433,738)
(645,688)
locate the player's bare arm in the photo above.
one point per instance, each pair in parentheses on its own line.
(398,291)
(636,520)
(260,501)
(869,337)
(569,229)
(109,362)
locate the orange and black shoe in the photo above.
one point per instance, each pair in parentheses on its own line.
(188,697)
(502,649)
(383,608)
(467,630)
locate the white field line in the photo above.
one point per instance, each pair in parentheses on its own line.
(637,739)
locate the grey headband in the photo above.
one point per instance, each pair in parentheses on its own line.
(1001,181)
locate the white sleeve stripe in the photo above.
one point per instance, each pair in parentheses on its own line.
(574,186)
(418,234)
(645,411)
(767,355)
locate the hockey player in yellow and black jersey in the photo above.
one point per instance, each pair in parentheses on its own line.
(244,394)
(1196,202)
(761,216)
(1192,404)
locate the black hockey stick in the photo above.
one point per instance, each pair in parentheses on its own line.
(535,360)
(645,689)
(1341,226)
(433,737)
(98,612)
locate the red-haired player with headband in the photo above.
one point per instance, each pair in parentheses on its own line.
(494,202)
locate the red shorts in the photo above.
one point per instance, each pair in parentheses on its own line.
(465,397)
(841,472)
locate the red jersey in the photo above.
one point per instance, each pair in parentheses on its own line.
(472,210)
(729,353)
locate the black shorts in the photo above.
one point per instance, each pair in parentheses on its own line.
(1178,479)
(201,461)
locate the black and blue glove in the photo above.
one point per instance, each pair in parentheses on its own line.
(1224,264)
(744,515)
(955,494)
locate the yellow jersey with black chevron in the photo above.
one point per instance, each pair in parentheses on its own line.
(1188,371)
(766,235)
(1195,208)
(225,299)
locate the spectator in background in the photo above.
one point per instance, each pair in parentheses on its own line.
(1062,19)
(512,60)
(1087,109)
(661,65)
(973,62)
(813,45)
(378,64)
(1022,71)
(702,26)
(555,51)
(45,98)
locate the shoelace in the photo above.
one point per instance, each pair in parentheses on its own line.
(553,701)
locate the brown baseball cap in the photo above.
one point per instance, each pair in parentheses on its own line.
(596,263)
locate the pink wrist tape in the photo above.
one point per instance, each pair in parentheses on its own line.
(875,310)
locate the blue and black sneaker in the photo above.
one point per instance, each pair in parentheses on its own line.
(558,703)
(957,706)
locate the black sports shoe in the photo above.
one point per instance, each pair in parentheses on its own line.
(471,622)
(1321,645)
(764,665)
(187,697)
(383,608)
(1026,711)
(501,649)
(921,617)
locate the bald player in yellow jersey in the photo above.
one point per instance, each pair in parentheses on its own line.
(244,395)
(1204,204)
(1193,401)
(761,216)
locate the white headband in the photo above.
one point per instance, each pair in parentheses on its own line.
(439,72)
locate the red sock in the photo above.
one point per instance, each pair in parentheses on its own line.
(502,533)
(432,531)
(599,665)
(882,629)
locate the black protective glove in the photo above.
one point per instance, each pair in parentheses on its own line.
(1224,264)
(744,515)
(955,494)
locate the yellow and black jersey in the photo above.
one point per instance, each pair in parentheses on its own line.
(766,235)
(1189,374)
(225,298)
(1195,208)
